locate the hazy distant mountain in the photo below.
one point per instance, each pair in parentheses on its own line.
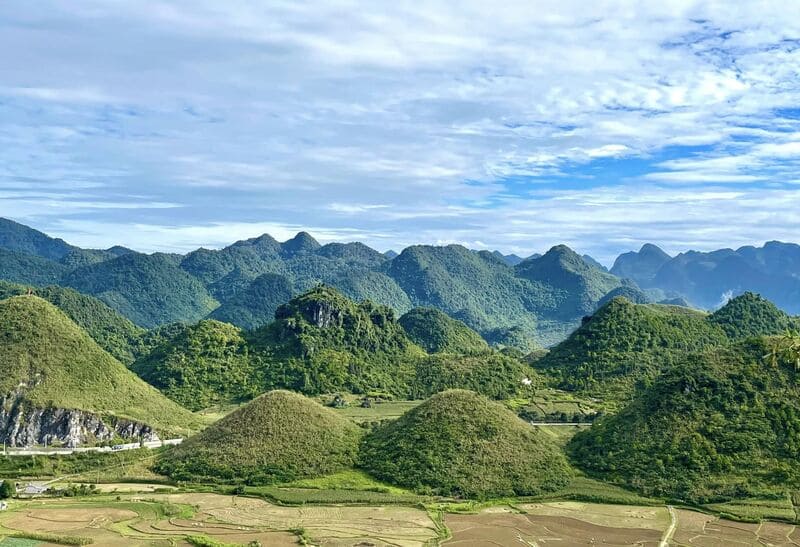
(592,262)
(710,279)
(640,266)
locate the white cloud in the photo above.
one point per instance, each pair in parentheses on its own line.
(404,122)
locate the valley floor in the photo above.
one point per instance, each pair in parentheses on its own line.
(209,519)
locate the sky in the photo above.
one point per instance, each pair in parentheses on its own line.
(170,125)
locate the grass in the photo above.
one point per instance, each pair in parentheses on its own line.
(756,510)
(585,489)
(91,466)
(349,479)
(390,410)
(302,496)
(277,437)
(64,368)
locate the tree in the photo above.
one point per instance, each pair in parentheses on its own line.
(7,489)
(786,349)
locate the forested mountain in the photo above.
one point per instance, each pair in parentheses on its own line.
(625,345)
(580,284)
(59,385)
(507,300)
(20,238)
(720,424)
(149,289)
(641,266)
(323,342)
(437,332)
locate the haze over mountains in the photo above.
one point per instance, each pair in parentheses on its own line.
(509,300)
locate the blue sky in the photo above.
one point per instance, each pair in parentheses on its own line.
(603,125)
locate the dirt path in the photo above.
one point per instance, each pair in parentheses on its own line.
(671,530)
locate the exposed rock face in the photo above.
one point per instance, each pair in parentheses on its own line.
(322,314)
(22,424)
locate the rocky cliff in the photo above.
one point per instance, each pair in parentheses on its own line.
(22,424)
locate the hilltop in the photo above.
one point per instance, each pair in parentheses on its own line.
(113,332)
(323,342)
(582,284)
(719,424)
(436,332)
(752,315)
(624,344)
(461,444)
(277,437)
(48,362)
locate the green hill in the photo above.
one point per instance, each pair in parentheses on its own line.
(322,342)
(724,423)
(476,288)
(625,344)
(436,332)
(22,239)
(459,443)
(203,365)
(751,315)
(148,289)
(49,362)
(489,373)
(255,305)
(113,332)
(29,269)
(632,294)
(581,283)
(277,437)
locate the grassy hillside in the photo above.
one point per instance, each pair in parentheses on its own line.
(55,363)
(626,344)
(721,424)
(459,443)
(277,437)
(436,332)
(203,365)
(113,332)
(148,289)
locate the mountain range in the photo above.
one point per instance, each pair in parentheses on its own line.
(509,300)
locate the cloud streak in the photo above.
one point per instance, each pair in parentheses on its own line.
(182,124)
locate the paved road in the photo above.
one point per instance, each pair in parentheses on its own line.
(560,423)
(43,451)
